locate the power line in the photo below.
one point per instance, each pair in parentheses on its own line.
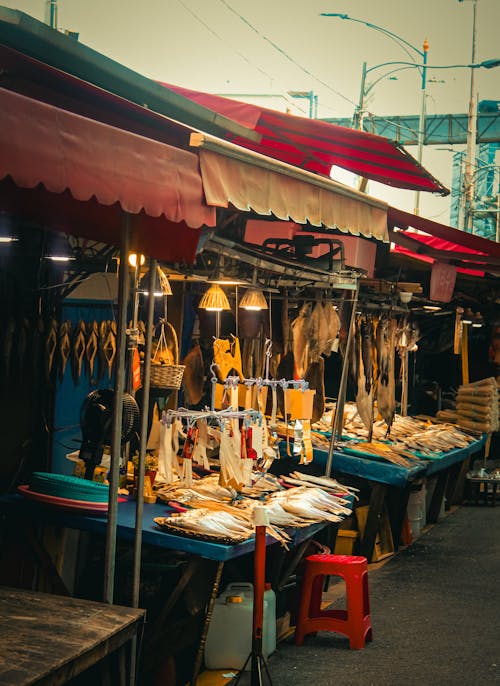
(219,37)
(285,54)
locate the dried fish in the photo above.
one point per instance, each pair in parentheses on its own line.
(77,351)
(91,348)
(50,347)
(386,387)
(332,320)
(301,341)
(193,378)
(109,347)
(364,393)
(64,347)
(315,376)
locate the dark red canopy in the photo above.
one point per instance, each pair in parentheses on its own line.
(317,146)
(430,241)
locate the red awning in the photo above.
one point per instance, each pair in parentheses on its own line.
(85,165)
(317,146)
(431,241)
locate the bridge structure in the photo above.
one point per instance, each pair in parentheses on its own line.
(451,129)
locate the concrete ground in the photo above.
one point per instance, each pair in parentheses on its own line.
(435,614)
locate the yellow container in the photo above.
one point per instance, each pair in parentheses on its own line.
(299,403)
(345,541)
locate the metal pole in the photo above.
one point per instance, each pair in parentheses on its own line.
(144,434)
(468,187)
(358,114)
(121,338)
(139,508)
(339,408)
(421,123)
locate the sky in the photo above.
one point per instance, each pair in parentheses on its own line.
(266,48)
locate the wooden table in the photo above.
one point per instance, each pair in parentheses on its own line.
(48,639)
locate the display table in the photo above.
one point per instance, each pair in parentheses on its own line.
(450,470)
(26,512)
(389,484)
(48,639)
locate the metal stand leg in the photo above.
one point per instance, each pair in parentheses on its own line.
(257,655)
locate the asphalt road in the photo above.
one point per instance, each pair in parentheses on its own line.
(435,614)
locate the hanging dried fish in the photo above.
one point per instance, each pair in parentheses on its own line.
(64,347)
(367,351)
(109,347)
(91,347)
(332,320)
(103,365)
(386,387)
(364,392)
(301,341)
(77,351)
(50,347)
(315,376)
(192,380)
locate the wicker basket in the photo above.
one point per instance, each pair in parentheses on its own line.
(167,376)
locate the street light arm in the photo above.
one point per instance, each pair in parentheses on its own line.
(487,64)
(384,76)
(402,42)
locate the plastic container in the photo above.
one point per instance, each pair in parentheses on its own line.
(417,508)
(229,638)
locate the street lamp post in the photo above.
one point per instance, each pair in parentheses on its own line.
(465,217)
(410,51)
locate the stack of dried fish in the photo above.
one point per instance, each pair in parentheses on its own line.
(213,523)
(397,454)
(312,504)
(477,406)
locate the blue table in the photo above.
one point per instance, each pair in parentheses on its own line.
(449,472)
(390,484)
(27,512)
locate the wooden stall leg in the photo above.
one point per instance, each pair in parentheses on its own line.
(437,497)
(375,509)
(397,504)
(456,482)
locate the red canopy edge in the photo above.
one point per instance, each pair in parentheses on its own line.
(317,146)
(453,238)
(400,250)
(87,161)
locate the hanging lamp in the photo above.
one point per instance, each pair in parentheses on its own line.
(214,300)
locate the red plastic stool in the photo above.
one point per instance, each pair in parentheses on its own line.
(355,622)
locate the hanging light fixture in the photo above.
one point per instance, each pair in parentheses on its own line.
(253,300)
(161,283)
(214,300)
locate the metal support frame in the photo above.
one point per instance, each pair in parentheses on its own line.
(119,387)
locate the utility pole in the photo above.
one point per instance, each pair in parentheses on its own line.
(421,122)
(466,217)
(360,109)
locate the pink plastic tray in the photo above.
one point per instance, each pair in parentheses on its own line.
(64,503)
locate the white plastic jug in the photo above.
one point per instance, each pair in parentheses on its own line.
(229,638)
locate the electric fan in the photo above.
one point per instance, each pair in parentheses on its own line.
(96,419)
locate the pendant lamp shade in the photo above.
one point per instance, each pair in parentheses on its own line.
(214,300)
(253,299)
